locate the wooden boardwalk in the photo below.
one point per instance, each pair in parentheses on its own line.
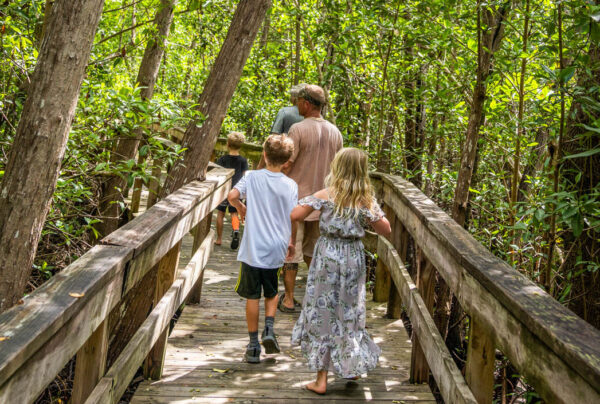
(204,360)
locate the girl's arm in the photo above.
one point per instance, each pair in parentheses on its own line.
(382,226)
(299,213)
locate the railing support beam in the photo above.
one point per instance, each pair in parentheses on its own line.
(153,365)
(419,369)
(199,233)
(383,283)
(90,364)
(481,356)
(394,306)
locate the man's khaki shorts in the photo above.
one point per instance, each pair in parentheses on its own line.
(306,237)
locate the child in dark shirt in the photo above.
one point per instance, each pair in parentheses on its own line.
(232,159)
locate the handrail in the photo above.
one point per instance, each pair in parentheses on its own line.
(555,350)
(70,312)
(450,381)
(251,151)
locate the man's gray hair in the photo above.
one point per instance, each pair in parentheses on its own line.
(295,90)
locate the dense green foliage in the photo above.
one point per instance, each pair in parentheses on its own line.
(380,62)
(387,66)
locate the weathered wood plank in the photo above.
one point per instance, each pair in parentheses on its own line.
(136,350)
(449,379)
(279,391)
(102,392)
(245,400)
(213,335)
(167,267)
(383,283)
(50,310)
(481,357)
(41,367)
(90,364)
(546,319)
(162,226)
(555,378)
(394,301)
(199,233)
(425,284)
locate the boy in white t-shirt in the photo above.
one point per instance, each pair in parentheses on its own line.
(270,197)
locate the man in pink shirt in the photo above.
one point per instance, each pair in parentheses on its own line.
(316,141)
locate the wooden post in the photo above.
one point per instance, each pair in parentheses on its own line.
(394,307)
(481,355)
(154,185)
(419,368)
(90,364)
(383,282)
(167,266)
(199,232)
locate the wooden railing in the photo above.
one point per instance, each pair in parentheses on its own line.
(556,351)
(69,315)
(173,136)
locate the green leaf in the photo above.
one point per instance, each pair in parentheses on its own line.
(591,128)
(586,153)
(540,214)
(566,74)
(576,224)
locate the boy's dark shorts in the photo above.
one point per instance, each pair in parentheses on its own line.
(224,205)
(252,279)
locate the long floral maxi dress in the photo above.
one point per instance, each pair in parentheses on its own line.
(331,328)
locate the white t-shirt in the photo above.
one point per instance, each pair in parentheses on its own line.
(270,198)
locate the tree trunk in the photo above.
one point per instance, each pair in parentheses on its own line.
(410,125)
(296,79)
(112,189)
(264,36)
(39,145)
(489,37)
(514,188)
(420,125)
(488,43)
(200,138)
(384,154)
(586,287)
(537,163)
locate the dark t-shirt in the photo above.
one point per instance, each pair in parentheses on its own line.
(286,117)
(238,163)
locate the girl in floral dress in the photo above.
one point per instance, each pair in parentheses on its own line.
(331,328)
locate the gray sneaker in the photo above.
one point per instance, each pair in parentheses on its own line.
(269,341)
(252,353)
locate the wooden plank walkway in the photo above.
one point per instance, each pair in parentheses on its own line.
(204,356)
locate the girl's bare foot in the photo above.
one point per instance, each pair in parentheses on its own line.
(218,242)
(315,388)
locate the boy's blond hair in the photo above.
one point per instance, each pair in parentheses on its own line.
(278,149)
(349,183)
(235,140)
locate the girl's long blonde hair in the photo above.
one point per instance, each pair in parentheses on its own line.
(348,182)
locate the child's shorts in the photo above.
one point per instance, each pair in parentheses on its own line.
(252,279)
(223,206)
